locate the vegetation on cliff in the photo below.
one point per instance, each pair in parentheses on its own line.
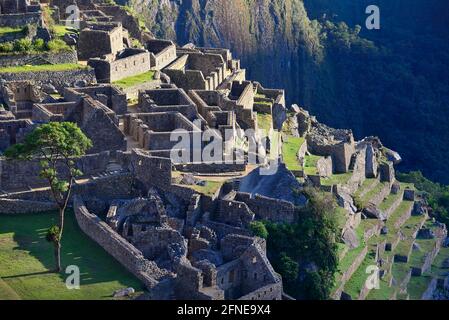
(305,253)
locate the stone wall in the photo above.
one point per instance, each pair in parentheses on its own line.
(277,211)
(68,56)
(133,62)
(60,79)
(100,125)
(125,253)
(211,168)
(234,213)
(119,14)
(15,174)
(109,95)
(151,171)
(341,153)
(99,42)
(162,53)
(20,19)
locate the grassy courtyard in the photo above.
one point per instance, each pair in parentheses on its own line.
(26,257)
(43,67)
(290,150)
(6,31)
(135,80)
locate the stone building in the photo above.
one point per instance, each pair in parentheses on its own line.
(162,53)
(101,39)
(126,63)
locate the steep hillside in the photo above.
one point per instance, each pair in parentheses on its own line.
(392,83)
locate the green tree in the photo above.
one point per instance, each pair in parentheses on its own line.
(56,145)
(305,253)
(258,229)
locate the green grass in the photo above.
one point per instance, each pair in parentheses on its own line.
(383,293)
(265,122)
(310,165)
(372,193)
(6,293)
(417,286)
(26,257)
(348,259)
(61,30)
(368,183)
(341,217)
(135,80)
(336,179)
(209,189)
(44,67)
(398,213)
(290,150)
(5,31)
(354,285)
(400,271)
(437,265)
(389,201)
(419,256)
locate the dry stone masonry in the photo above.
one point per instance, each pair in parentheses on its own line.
(183,229)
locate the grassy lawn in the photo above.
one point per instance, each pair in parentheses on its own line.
(265,122)
(44,67)
(209,189)
(389,201)
(135,80)
(310,164)
(366,185)
(6,293)
(354,285)
(26,257)
(4,31)
(61,30)
(398,213)
(383,293)
(290,150)
(372,193)
(417,286)
(336,179)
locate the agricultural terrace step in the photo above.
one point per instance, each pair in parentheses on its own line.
(400,215)
(355,286)
(366,187)
(391,203)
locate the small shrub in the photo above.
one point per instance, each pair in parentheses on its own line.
(57,45)
(358,202)
(6,47)
(39,45)
(259,229)
(23,45)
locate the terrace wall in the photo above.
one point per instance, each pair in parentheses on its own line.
(18,59)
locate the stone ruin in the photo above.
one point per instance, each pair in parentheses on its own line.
(183,228)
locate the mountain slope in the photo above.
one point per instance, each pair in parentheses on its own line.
(392,82)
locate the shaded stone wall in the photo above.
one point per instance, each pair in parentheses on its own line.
(136,63)
(265,208)
(18,174)
(151,171)
(60,79)
(20,19)
(52,57)
(125,253)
